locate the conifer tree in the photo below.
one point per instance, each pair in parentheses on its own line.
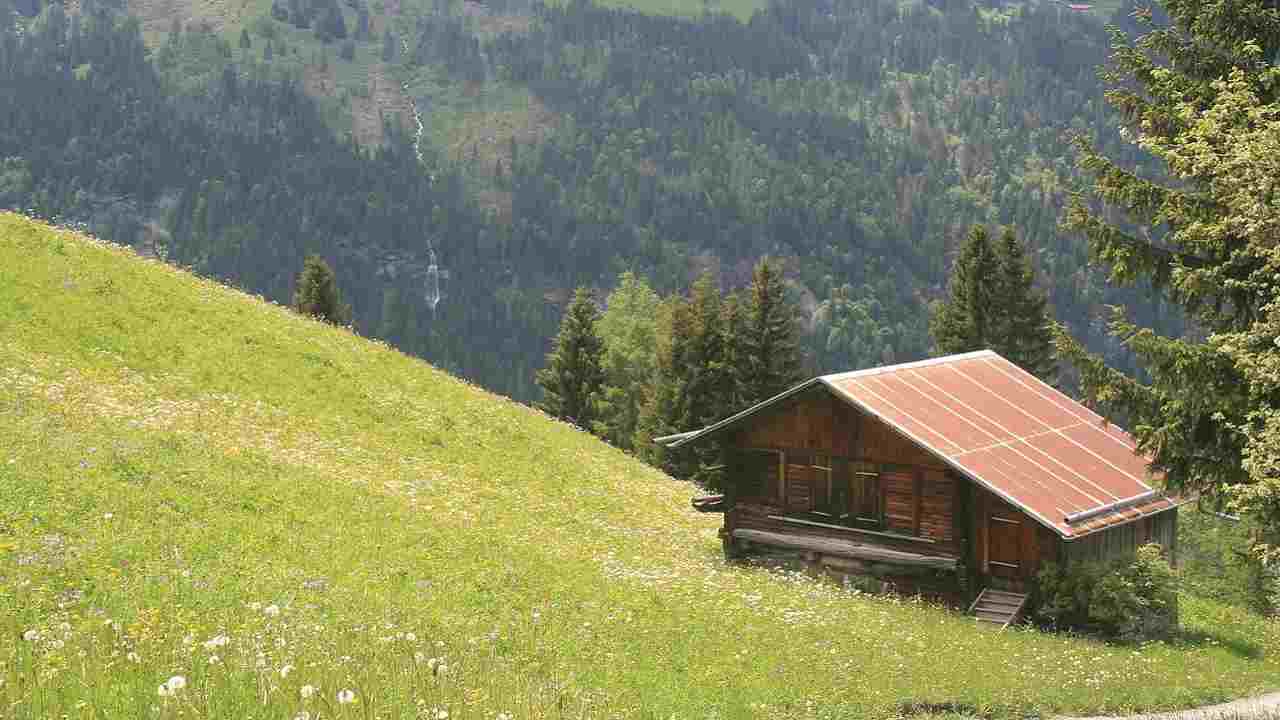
(770,358)
(1026,333)
(317,294)
(572,379)
(966,321)
(1192,94)
(993,304)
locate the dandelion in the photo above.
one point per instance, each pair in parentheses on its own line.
(31,635)
(346,696)
(108,516)
(284,671)
(271,610)
(306,691)
(172,686)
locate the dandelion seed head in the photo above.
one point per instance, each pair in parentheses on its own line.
(284,671)
(306,691)
(346,696)
(31,635)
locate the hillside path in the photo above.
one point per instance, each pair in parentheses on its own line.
(1258,707)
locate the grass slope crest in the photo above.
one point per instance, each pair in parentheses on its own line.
(212,507)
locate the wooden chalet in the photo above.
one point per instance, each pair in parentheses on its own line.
(956,477)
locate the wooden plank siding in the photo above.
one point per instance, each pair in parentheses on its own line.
(918,493)
(1123,540)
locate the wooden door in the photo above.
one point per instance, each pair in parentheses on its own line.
(1004,543)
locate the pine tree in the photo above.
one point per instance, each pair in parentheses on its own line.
(317,293)
(992,304)
(573,377)
(770,359)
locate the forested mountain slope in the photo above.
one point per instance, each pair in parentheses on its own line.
(563,144)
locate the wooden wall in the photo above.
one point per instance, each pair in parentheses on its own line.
(1123,540)
(819,421)
(920,495)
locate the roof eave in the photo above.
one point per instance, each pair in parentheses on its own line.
(713,428)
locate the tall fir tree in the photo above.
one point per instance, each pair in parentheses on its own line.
(573,377)
(1027,332)
(1186,235)
(993,304)
(316,293)
(966,322)
(770,359)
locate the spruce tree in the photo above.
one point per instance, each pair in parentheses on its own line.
(317,295)
(1026,335)
(1200,96)
(771,360)
(573,378)
(966,321)
(992,304)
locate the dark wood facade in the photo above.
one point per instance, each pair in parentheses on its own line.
(817,478)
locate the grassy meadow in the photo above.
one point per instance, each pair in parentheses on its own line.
(213,508)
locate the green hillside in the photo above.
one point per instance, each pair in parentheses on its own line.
(196,483)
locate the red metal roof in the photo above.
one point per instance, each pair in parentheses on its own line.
(1004,428)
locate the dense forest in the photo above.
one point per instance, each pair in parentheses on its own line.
(857,143)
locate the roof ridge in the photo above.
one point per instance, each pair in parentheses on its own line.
(908,365)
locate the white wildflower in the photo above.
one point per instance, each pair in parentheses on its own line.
(304,715)
(216,641)
(306,691)
(346,697)
(505,716)
(172,686)
(108,516)
(255,606)
(271,610)
(411,637)
(439,713)
(214,659)
(419,657)
(284,671)
(133,657)
(31,635)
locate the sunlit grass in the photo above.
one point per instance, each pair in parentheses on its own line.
(181,463)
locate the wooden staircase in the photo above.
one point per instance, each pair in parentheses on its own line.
(998,607)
